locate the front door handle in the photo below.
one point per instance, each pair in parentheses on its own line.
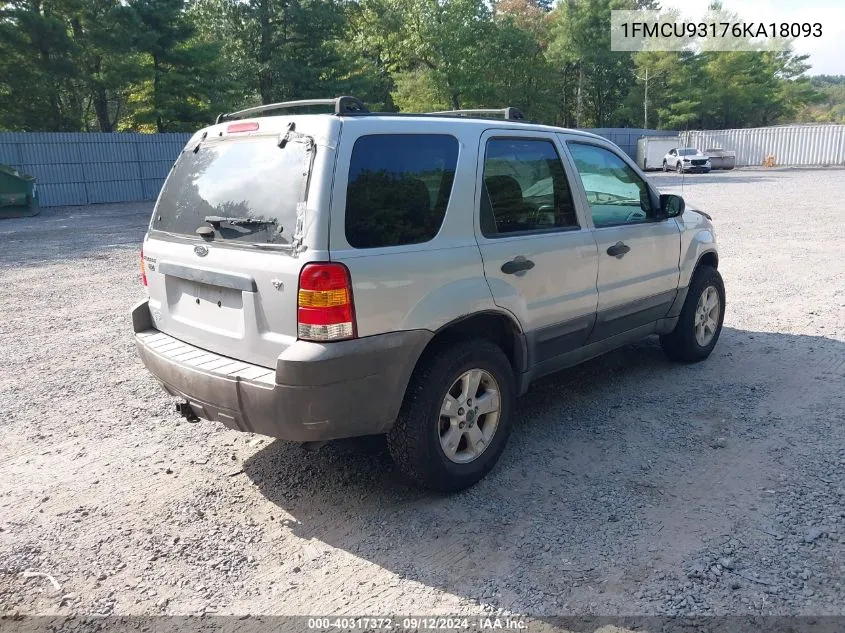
(618,250)
(517,265)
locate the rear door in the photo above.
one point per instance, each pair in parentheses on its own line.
(225,245)
(540,258)
(638,250)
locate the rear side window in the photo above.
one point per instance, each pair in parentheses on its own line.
(399,188)
(525,188)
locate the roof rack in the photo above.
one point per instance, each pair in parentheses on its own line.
(342,105)
(512,114)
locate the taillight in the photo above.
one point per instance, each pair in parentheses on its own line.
(143,268)
(325,311)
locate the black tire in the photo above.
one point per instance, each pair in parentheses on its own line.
(665,166)
(414,440)
(680,167)
(681,345)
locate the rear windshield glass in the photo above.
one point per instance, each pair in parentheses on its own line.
(399,187)
(245,190)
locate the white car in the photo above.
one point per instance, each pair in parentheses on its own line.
(686,159)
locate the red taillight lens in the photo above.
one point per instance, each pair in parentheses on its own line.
(325,311)
(143,268)
(241,127)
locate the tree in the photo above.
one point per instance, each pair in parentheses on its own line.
(286,46)
(99,31)
(38,75)
(172,94)
(649,93)
(595,80)
(435,49)
(828,104)
(518,72)
(167,65)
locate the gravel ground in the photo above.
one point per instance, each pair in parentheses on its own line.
(630,485)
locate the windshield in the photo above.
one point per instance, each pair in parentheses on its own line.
(245,190)
(687,152)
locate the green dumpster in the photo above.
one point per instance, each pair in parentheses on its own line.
(18,194)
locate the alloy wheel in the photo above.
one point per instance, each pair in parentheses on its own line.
(469,416)
(707,316)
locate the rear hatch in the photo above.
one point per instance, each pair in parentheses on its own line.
(237,219)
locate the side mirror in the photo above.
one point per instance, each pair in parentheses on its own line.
(671,205)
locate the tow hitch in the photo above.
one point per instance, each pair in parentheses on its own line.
(184,409)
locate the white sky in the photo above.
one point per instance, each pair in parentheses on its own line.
(827,53)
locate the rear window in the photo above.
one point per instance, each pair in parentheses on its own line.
(245,190)
(399,188)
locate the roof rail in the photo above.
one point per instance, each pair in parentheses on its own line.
(512,114)
(342,105)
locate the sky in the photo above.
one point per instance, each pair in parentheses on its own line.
(827,53)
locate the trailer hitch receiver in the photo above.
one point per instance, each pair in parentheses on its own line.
(184,409)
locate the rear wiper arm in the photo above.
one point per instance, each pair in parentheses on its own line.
(217,220)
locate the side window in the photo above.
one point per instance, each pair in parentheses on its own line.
(615,192)
(398,189)
(525,188)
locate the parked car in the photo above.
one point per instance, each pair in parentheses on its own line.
(321,276)
(686,159)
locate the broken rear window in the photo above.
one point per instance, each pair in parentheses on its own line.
(245,189)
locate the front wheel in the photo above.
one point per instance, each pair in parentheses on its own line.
(665,166)
(455,419)
(700,322)
(680,167)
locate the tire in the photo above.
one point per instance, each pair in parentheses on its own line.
(682,344)
(679,166)
(416,441)
(665,166)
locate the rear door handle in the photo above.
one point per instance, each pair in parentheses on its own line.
(618,250)
(516,265)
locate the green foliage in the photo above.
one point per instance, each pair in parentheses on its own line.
(595,80)
(169,65)
(37,60)
(828,106)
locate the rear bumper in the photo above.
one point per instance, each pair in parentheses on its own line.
(316,392)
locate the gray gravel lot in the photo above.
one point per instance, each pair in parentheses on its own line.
(630,485)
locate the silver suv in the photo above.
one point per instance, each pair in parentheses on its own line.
(321,276)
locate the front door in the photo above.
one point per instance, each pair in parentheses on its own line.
(639,251)
(540,258)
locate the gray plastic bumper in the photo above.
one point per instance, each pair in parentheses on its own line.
(318,391)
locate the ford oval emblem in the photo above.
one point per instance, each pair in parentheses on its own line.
(201,250)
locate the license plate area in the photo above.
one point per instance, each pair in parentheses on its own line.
(204,306)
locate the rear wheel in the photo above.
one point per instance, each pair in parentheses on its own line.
(700,322)
(455,420)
